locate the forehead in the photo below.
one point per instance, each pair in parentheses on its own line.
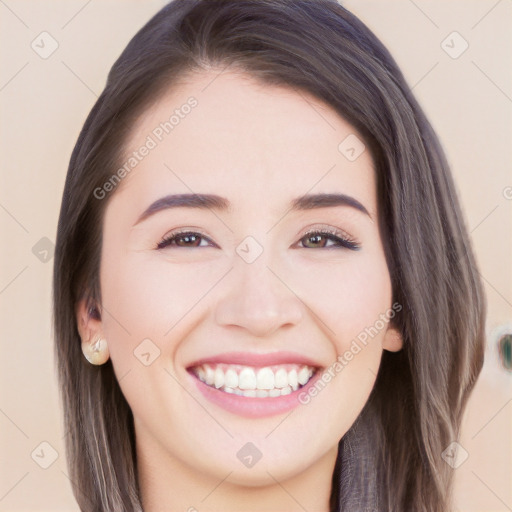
(227,133)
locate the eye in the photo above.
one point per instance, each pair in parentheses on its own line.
(315,239)
(185,239)
(319,239)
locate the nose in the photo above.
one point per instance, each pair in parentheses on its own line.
(258,300)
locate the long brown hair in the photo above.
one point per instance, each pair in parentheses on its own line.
(390,459)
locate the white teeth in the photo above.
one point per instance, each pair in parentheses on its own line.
(265,379)
(292,378)
(247,381)
(231,378)
(219,378)
(286,391)
(281,378)
(210,375)
(303,375)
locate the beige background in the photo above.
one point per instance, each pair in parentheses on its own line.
(43,105)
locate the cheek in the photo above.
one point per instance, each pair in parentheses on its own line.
(347,295)
(146,297)
(368,296)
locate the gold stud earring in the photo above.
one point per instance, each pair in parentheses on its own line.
(96,353)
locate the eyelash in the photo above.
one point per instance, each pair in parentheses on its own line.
(342,239)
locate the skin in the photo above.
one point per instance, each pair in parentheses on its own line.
(259,147)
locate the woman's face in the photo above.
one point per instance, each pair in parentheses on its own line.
(214,335)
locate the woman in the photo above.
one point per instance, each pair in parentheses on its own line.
(261,256)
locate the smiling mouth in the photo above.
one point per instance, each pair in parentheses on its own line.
(250,381)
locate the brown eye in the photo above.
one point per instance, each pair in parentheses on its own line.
(184,239)
(322,239)
(187,240)
(315,241)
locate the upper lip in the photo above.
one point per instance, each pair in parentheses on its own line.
(257,359)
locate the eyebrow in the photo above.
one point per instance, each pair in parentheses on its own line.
(215,202)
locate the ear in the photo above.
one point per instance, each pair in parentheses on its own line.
(90,328)
(393,340)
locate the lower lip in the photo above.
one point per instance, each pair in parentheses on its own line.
(251,407)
